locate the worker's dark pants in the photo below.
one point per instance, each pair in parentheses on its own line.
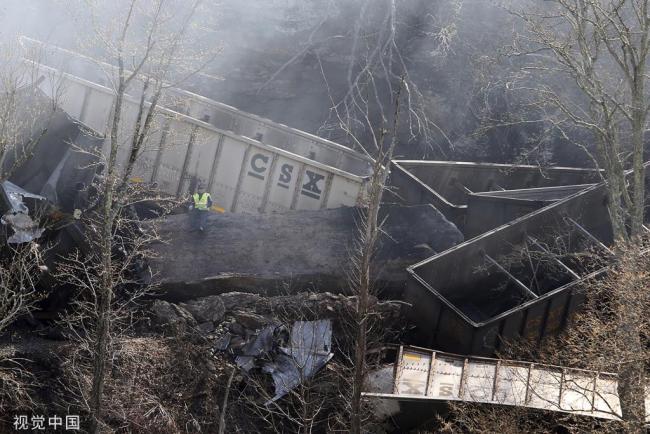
(199,219)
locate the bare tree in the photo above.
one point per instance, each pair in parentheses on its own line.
(147,49)
(24,118)
(602,47)
(381,106)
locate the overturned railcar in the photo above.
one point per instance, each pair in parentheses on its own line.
(422,375)
(504,191)
(53,153)
(249,164)
(520,279)
(518,273)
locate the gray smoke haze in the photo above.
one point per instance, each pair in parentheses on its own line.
(271,52)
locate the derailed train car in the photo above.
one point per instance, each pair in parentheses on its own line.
(422,375)
(518,279)
(455,188)
(249,164)
(47,163)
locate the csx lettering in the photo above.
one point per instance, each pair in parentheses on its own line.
(285,173)
(311,188)
(257,161)
(446,389)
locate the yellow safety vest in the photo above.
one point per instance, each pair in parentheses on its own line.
(201,202)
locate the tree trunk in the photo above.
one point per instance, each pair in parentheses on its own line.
(631,372)
(106,279)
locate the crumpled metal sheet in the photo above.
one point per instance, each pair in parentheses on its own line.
(309,350)
(261,344)
(17,217)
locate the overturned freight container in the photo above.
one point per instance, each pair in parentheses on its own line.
(50,153)
(247,163)
(504,191)
(520,279)
(422,375)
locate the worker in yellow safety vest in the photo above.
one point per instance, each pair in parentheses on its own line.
(199,207)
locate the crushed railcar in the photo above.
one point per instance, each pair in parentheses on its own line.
(46,168)
(423,375)
(520,278)
(509,190)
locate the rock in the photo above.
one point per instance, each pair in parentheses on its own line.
(206,327)
(206,309)
(250,321)
(232,300)
(166,313)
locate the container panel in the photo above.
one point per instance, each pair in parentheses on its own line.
(577,391)
(485,339)
(504,382)
(197,110)
(283,185)
(98,110)
(544,388)
(125,133)
(512,325)
(227,172)
(425,310)
(324,154)
(535,315)
(511,385)
(576,300)
(479,380)
(269,133)
(182,161)
(220,115)
(151,153)
(413,373)
(201,158)
(254,178)
(453,332)
(556,313)
(447,378)
(173,157)
(312,188)
(72,97)
(343,192)
(252,128)
(281,139)
(606,399)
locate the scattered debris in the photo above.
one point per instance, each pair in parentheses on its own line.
(260,344)
(247,326)
(16,213)
(309,350)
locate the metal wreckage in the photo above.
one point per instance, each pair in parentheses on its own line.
(467,299)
